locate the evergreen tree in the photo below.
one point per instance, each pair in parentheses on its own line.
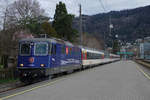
(63,23)
(41,25)
(48,29)
(34,26)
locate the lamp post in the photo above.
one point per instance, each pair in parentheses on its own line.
(110,32)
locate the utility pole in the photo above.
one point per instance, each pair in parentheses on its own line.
(104,42)
(110,27)
(4,23)
(81,33)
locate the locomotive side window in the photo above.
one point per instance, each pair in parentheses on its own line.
(41,49)
(88,55)
(25,49)
(50,48)
(53,49)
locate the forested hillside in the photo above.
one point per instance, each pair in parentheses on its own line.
(128,24)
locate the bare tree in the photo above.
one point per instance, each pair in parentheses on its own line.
(14,17)
(92,42)
(21,11)
(3,5)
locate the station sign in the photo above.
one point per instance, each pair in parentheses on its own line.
(125,53)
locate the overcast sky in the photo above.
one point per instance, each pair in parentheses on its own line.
(91,7)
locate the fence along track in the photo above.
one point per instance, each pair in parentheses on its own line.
(10,86)
(6,74)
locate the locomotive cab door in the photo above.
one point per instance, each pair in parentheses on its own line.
(53,56)
(55,59)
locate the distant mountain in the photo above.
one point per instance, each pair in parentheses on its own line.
(128,24)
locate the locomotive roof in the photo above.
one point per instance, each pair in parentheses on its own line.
(53,40)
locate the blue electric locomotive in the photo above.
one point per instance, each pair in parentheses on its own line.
(42,57)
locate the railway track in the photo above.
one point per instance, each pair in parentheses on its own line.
(10,86)
(145,63)
(18,84)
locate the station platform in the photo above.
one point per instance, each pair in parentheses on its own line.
(122,80)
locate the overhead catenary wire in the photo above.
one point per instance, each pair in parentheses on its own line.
(110,21)
(107,6)
(102,5)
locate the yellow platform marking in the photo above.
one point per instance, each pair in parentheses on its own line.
(146,75)
(22,92)
(48,84)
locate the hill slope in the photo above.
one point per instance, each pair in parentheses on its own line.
(128,24)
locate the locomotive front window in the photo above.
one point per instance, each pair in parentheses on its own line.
(41,49)
(25,49)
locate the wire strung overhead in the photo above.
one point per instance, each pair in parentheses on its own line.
(102,5)
(83,3)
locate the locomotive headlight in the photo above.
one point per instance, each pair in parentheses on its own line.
(21,65)
(42,65)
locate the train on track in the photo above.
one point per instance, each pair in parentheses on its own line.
(45,57)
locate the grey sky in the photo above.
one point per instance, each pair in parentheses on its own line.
(91,7)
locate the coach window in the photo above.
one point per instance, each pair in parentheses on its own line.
(96,56)
(100,56)
(93,55)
